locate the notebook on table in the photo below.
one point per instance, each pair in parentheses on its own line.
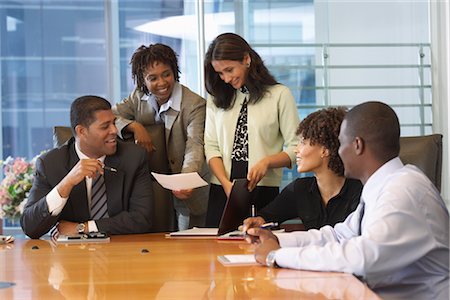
(237,208)
(91,237)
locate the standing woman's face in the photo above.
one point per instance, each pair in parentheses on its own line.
(232,72)
(160,81)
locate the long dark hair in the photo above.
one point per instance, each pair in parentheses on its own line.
(145,56)
(230,46)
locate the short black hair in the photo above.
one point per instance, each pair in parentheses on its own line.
(146,56)
(378,125)
(83,109)
(322,128)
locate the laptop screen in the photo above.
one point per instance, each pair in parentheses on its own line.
(237,208)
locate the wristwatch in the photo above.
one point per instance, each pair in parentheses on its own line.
(270,259)
(81,227)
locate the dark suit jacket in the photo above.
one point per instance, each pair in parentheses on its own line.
(128,192)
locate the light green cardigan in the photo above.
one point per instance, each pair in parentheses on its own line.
(272,123)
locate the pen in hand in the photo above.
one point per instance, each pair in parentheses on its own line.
(253,211)
(255,239)
(269,225)
(109,168)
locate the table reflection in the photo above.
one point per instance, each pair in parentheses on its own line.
(167,269)
(262,282)
(67,279)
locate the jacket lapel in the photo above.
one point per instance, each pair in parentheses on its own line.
(114,184)
(171,116)
(78,195)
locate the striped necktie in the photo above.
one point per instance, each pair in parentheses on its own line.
(99,208)
(361,216)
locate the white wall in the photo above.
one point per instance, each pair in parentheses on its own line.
(440,40)
(398,21)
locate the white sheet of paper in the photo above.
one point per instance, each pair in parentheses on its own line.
(182,181)
(196,231)
(237,259)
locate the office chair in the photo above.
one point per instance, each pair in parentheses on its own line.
(163,216)
(61,134)
(425,152)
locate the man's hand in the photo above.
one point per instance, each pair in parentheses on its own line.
(84,168)
(256,173)
(141,136)
(253,222)
(67,228)
(183,194)
(267,242)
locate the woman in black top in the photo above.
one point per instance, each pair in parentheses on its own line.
(326,198)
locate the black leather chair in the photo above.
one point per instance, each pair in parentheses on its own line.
(163,219)
(425,152)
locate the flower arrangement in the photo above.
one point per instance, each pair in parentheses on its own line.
(15,186)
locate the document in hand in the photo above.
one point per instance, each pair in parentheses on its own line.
(182,181)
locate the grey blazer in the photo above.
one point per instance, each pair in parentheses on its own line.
(128,192)
(184,132)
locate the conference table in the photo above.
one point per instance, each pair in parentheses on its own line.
(155,266)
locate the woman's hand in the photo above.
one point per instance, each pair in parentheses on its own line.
(183,194)
(141,136)
(227,186)
(256,173)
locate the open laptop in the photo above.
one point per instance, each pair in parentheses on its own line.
(237,208)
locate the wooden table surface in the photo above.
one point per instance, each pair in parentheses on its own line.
(171,269)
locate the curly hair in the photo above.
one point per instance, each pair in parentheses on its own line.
(322,128)
(146,56)
(230,46)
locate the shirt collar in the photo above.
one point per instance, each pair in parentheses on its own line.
(81,155)
(174,101)
(379,177)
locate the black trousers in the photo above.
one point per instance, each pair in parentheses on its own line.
(261,196)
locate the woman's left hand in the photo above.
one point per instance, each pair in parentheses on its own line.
(256,173)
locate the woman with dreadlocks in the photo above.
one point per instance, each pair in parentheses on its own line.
(159,98)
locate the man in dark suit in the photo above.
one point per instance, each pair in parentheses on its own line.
(67,179)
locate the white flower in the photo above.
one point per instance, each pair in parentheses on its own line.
(21,206)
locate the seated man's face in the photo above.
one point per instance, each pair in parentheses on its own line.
(346,152)
(100,137)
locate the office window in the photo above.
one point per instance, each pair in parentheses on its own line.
(51,52)
(169,22)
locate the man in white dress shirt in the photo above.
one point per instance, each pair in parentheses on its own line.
(397,240)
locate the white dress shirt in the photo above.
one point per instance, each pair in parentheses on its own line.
(403,248)
(173,102)
(56,203)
